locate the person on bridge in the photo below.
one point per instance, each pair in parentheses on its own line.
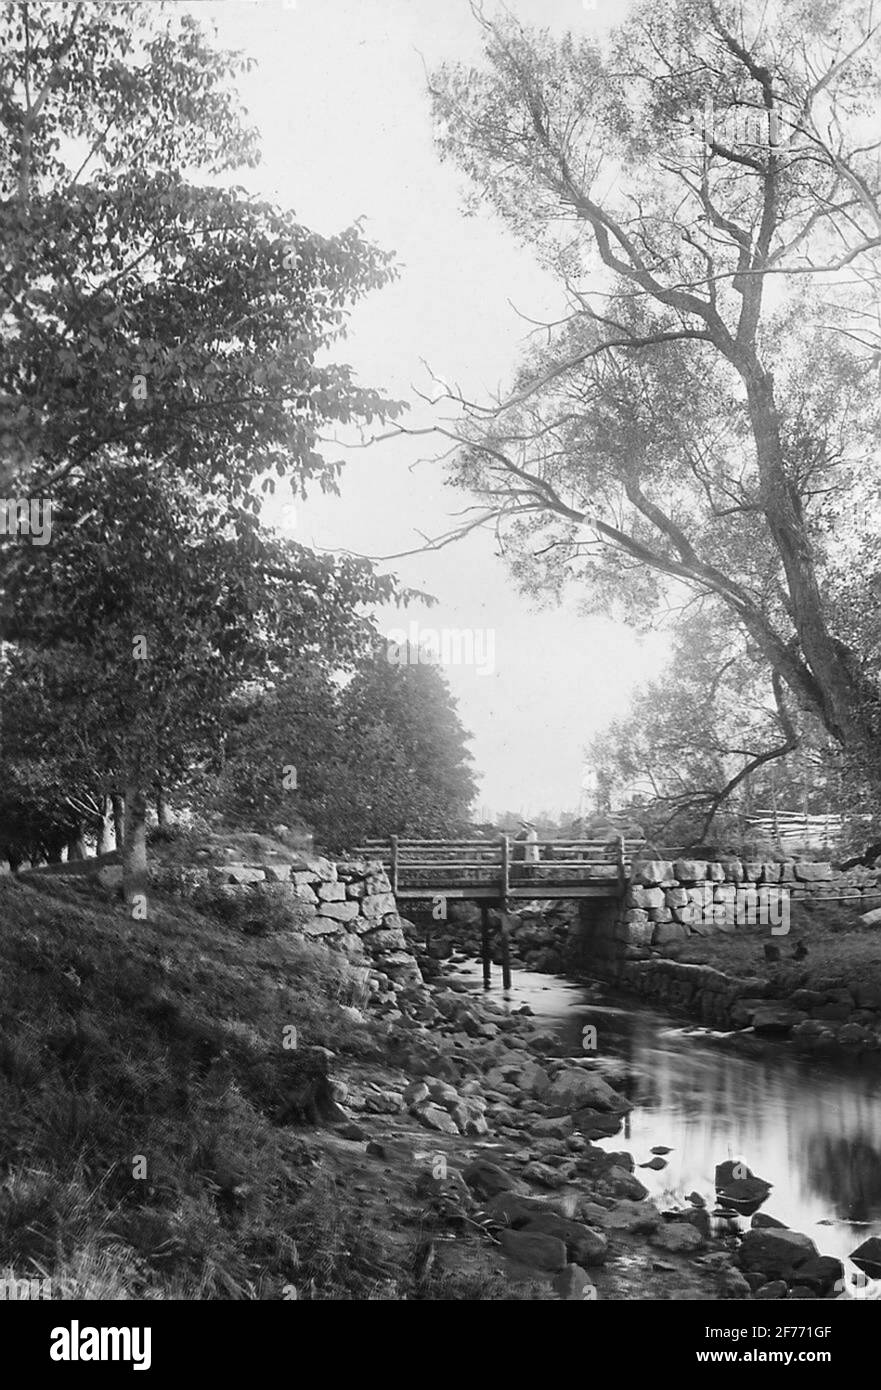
(526,844)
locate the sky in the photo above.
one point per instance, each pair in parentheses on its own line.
(338,92)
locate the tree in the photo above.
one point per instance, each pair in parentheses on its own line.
(383,754)
(159,338)
(713,735)
(406,749)
(282,758)
(134,632)
(708,406)
(142,311)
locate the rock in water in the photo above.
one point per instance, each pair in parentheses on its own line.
(867,1257)
(577,1089)
(776,1254)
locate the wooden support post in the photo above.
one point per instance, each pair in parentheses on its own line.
(484,945)
(503,913)
(506,953)
(506,873)
(394,874)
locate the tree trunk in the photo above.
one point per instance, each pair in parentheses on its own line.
(76,848)
(163,809)
(842,698)
(118,804)
(134,855)
(105,828)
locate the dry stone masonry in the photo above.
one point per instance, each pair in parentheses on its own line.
(346,904)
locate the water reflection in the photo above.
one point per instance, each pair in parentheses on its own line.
(811,1128)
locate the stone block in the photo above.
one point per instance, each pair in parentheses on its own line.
(652,872)
(813,873)
(375,906)
(332,892)
(667,932)
(339,912)
(636,916)
(690,870)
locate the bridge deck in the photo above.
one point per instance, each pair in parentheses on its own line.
(504,870)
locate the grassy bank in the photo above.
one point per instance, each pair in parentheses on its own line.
(156,1134)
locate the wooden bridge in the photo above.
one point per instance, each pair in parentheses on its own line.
(498,871)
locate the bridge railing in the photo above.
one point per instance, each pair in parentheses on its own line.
(504,863)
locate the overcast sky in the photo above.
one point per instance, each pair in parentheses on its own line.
(339,95)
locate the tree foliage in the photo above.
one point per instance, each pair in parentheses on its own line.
(705,187)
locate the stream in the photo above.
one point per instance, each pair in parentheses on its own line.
(810,1127)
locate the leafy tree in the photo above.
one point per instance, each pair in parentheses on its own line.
(713,740)
(159,368)
(139,309)
(382,755)
(136,628)
(707,412)
(407,750)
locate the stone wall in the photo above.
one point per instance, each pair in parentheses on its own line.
(668,901)
(346,904)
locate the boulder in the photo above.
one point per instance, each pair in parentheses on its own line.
(635,1217)
(538,1251)
(677,1237)
(867,1257)
(576,1088)
(434,1117)
(488,1179)
(583,1246)
(821,1274)
(776,1018)
(775,1253)
(546,1176)
(594,1124)
(620,1183)
(532,1079)
(573,1284)
(516,1208)
(776,1288)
